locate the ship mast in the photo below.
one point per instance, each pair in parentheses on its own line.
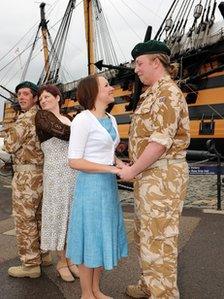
(43,26)
(88,15)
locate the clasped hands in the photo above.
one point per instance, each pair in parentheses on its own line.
(124,171)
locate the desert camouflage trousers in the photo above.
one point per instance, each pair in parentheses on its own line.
(26,203)
(159,195)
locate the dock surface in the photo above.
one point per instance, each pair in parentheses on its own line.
(200,266)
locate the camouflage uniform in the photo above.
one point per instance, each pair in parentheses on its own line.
(160,190)
(21,141)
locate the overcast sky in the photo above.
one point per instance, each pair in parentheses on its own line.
(19,19)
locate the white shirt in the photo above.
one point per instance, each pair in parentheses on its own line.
(89,140)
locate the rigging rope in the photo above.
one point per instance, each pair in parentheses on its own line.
(164,20)
(150,10)
(9,51)
(111,3)
(115,38)
(178,17)
(58,46)
(104,48)
(187,16)
(12,77)
(134,12)
(184,9)
(30,56)
(22,38)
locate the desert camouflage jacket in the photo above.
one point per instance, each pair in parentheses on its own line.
(162,117)
(22,142)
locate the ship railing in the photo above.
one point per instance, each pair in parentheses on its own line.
(200,163)
(203,165)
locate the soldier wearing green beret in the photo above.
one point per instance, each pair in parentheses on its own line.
(22,143)
(158,139)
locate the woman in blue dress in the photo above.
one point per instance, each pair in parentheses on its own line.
(96,235)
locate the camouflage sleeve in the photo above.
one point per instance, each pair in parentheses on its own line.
(16,135)
(167,117)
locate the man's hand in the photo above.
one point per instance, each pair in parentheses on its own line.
(127,173)
(120,164)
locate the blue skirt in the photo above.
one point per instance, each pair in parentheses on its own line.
(96,233)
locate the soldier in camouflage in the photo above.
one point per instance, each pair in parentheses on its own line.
(21,141)
(159,136)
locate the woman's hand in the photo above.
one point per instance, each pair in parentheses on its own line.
(114,169)
(119,163)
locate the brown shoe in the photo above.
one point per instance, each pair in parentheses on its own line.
(135,291)
(64,272)
(46,259)
(24,271)
(74,269)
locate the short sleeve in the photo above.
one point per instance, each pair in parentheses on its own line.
(167,118)
(78,137)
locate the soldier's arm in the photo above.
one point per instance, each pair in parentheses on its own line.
(165,124)
(15,136)
(167,119)
(150,155)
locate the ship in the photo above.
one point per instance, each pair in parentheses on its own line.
(196,39)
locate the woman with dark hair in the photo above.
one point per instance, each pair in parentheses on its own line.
(96,235)
(53,130)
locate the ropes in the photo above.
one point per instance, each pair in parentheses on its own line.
(57,49)
(136,34)
(104,48)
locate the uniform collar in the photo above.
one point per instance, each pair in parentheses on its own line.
(156,85)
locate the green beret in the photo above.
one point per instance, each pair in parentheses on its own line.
(27,84)
(150,47)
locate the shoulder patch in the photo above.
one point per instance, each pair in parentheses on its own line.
(161,99)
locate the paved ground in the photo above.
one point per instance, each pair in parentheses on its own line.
(201,260)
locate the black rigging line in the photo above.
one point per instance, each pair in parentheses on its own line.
(202,17)
(161,26)
(184,9)
(9,91)
(8,99)
(192,28)
(212,18)
(181,12)
(187,16)
(57,50)
(208,11)
(176,31)
(175,23)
